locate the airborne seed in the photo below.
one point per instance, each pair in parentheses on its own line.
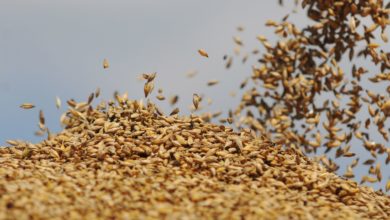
(105,64)
(27,106)
(58,102)
(203,53)
(195,100)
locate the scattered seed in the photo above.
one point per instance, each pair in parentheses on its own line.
(196,100)
(58,102)
(174,99)
(27,106)
(105,64)
(175,111)
(212,82)
(203,53)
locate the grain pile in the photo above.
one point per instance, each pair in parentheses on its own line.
(126,160)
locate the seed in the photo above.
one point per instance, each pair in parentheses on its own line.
(386,108)
(90,98)
(203,53)
(229,63)
(41,117)
(105,64)
(58,102)
(238,41)
(175,111)
(160,97)
(195,100)
(352,24)
(149,86)
(27,106)
(97,92)
(173,100)
(149,77)
(384,37)
(212,82)
(245,58)
(373,45)
(261,38)
(192,73)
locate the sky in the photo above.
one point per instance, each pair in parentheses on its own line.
(56,48)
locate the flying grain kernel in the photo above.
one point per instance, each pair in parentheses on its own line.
(195,100)
(41,117)
(175,111)
(149,77)
(192,73)
(386,108)
(229,62)
(173,100)
(212,82)
(203,53)
(238,41)
(58,102)
(105,64)
(148,88)
(97,93)
(160,97)
(27,106)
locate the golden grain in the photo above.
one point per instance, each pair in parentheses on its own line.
(203,53)
(125,159)
(27,106)
(105,64)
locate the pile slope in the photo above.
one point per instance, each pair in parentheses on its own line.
(126,160)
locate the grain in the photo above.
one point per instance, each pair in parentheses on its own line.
(212,82)
(303,65)
(149,85)
(238,41)
(58,102)
(27,106)
(191,73)
(203,53)
(196,100)
(174,99)
(126,159)
(105,64)
(128,162)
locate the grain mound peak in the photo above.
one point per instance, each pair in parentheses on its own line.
(126,160)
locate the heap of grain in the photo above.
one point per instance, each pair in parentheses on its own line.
(126,160)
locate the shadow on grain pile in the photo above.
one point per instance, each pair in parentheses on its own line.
(126,160)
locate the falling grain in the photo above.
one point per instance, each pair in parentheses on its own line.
(27,106)
(203,53)
(196,100)
(212,82)
(58,102)
(105,64)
